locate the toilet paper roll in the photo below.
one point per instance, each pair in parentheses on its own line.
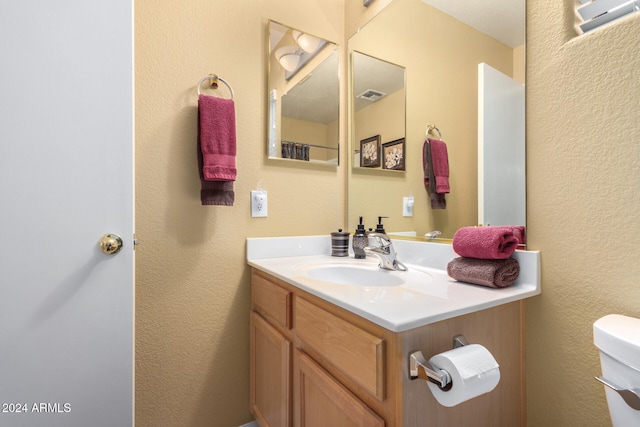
(473,372)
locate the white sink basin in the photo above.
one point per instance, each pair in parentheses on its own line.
(352,275)
(359,273)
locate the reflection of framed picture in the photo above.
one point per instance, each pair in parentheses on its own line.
(393,155)
(370,152)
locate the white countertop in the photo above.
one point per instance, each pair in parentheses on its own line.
(396,308)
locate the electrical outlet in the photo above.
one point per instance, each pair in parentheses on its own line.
(407,206)
(258,203)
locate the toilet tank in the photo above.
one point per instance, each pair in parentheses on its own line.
(618,338)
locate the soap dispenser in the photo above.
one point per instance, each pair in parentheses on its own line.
(380,227)
(360,241)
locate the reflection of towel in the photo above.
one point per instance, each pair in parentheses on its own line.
(216,150)
(492,242)
(426,163)
(495,273)
(218,138)
(437,200)
(440,162)
(521,235)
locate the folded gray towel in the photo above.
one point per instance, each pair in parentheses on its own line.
(494,273)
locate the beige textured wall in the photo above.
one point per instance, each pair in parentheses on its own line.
(583,174)
(192,297)
(192,284)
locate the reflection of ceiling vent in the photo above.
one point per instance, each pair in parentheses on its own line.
(371,95)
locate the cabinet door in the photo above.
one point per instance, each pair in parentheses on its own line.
(271,301)
(355,352)
(320,401)
(270,374)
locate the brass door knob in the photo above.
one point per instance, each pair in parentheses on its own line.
(110,244)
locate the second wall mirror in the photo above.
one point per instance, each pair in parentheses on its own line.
(440,44)
(303,96)
(378,96)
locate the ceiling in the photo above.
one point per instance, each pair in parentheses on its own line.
(504,20)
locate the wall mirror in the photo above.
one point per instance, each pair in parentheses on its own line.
(378,95)
(443,51)
(303,94)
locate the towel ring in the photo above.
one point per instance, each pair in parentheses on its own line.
(214,83)
(432,128)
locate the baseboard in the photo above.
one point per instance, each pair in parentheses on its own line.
(251,424)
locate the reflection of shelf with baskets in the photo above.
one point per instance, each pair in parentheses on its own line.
(301,151)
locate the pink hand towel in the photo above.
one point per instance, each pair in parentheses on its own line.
(494,273)
(214,192)
(492,242)
(217,138)
(440,161)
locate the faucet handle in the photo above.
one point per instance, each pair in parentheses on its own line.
(382,239)
(385,252)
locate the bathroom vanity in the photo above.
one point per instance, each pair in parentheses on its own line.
(336,354)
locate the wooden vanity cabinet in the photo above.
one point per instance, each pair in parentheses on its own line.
(320,400)
(270,355)
(316,364)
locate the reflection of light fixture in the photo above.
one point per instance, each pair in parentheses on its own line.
(288,57)
(306,42)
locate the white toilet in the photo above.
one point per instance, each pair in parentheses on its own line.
(618,338)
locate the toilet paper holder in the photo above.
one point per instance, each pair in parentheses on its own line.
(420,368)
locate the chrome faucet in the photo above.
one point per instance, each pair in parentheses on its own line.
(383,249)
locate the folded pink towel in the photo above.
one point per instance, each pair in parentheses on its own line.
(494,273)
(440,161)
(492,242)
(217,138)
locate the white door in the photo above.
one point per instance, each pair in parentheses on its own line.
(66,178)
(501,149)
